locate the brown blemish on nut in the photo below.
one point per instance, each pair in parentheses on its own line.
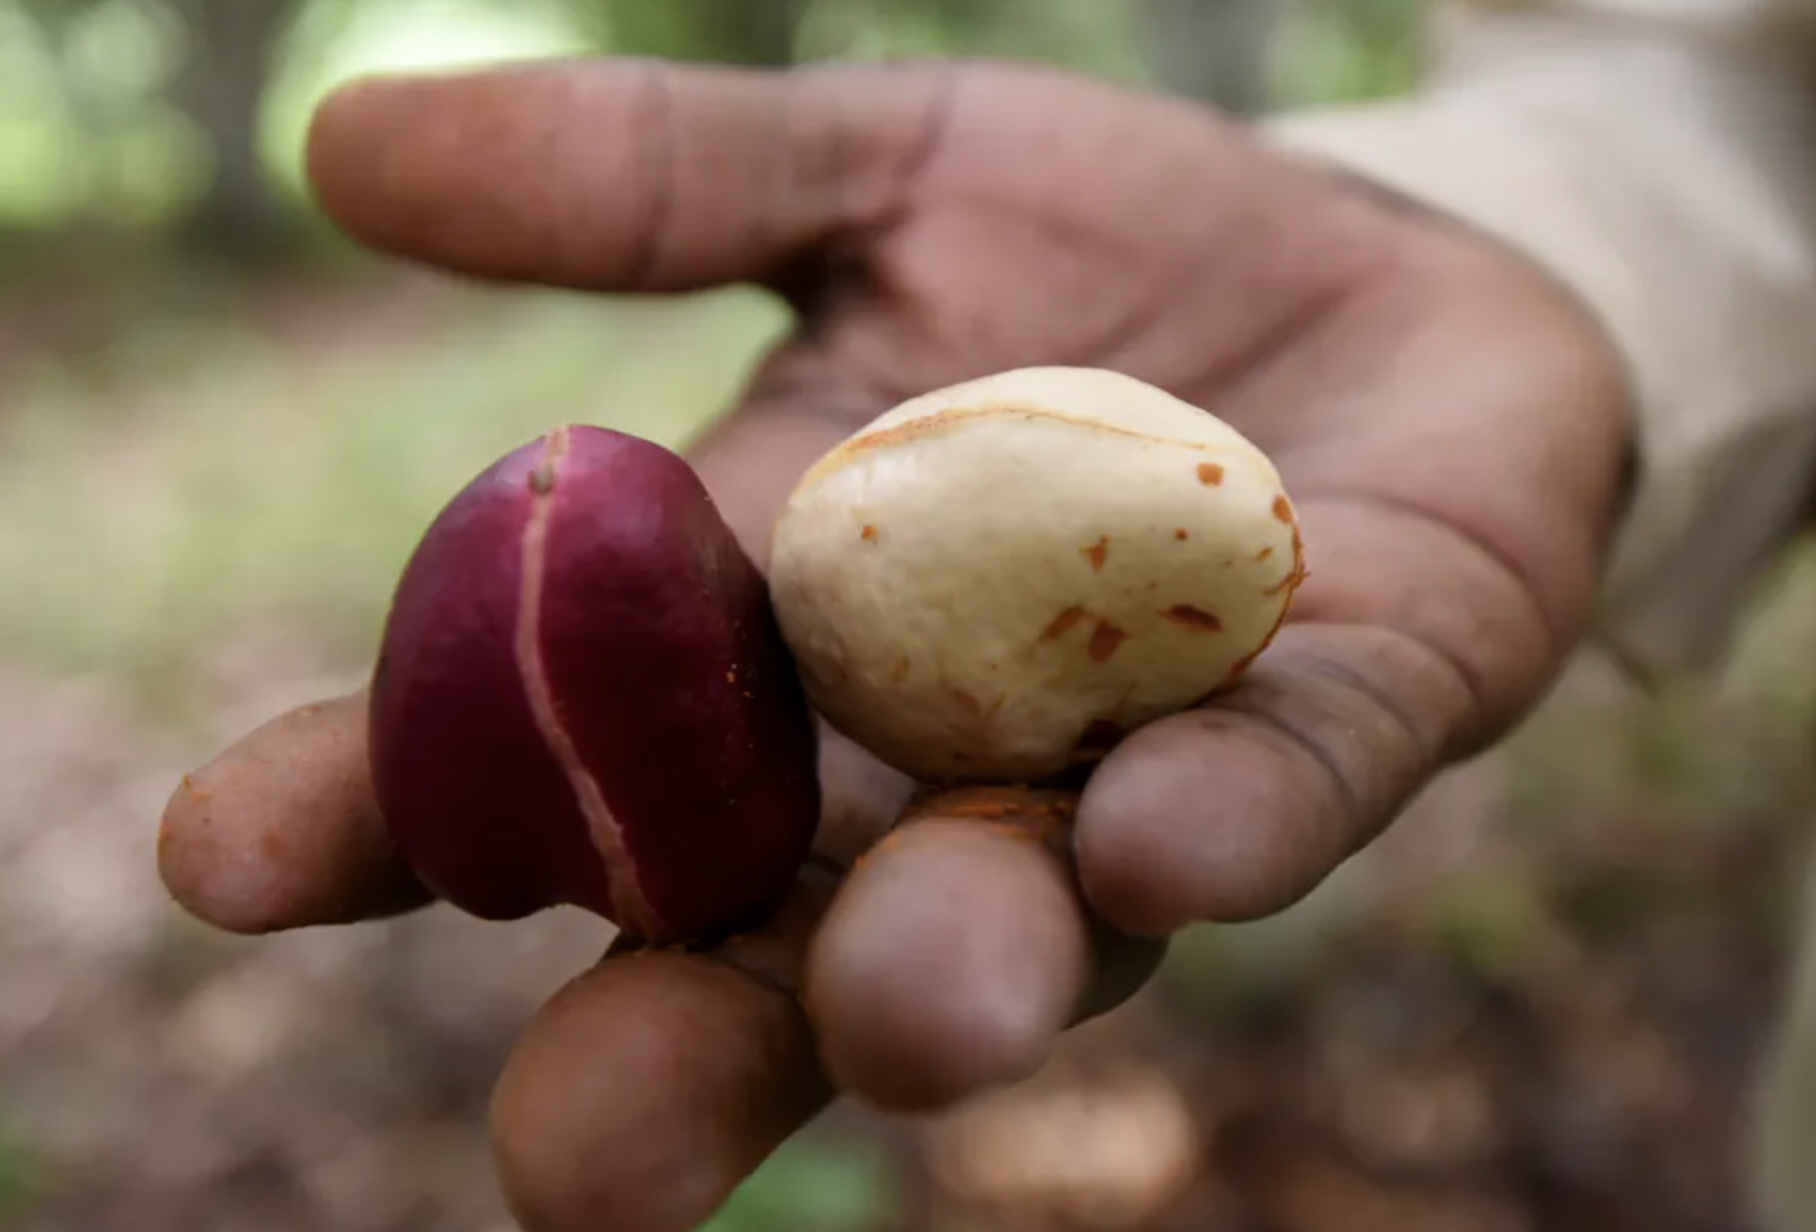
(1210,474)
(941,421)
(1293,577)
(1105,638)
(1180,534)
(869,532)
(1291,583)
(1264,553)
(1283,509)
(1097,553)
(1195,618)
(1063,624)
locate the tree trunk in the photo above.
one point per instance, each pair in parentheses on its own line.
(1216,51)
(220,88)
(750,32)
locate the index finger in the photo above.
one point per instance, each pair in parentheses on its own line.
(646,1091)
(281,830)
(619,174)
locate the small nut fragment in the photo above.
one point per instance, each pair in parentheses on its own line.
(991,580)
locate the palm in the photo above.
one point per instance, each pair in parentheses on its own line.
(1034,220)
(1449,429)
(1027,218)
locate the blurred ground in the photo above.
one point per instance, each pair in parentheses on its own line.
(1537,1006)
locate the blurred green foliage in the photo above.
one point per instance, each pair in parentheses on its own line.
(812,1185)
(21,1181)
(185,118)
(259,485)
(212,475)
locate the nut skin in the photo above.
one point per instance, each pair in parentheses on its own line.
(582,697)
(996,581)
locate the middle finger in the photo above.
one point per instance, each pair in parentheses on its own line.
(646,1090)
(959,948)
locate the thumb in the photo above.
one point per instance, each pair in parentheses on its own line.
(622,175)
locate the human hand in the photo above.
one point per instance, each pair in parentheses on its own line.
(1450,427)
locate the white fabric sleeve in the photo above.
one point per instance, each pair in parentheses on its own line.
(1658,158)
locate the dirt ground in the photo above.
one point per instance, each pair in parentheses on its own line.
(1513,1029)
(1538,1005)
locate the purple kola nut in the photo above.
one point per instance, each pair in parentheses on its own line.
(582,697)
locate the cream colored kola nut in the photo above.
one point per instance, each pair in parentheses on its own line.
(995,581)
